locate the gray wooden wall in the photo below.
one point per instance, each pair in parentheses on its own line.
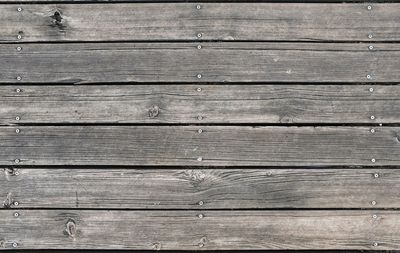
(180,125)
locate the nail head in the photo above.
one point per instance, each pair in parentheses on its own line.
(376,175)
(372,117)
(200,215)
(200,159)
(16,160)
(371,89)
(201,203)
(371,47)
(373,160)
(17,118)
(372,130)
(19,9)
(369,7)
(199,35)
(16,203)
(15,244)
(374,216)
(19,78)
(373,202)
(199,76)
(199,47)
(200,131)
(198,6)
(19,48)
(16,214)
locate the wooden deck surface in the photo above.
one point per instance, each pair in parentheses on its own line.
(195,126)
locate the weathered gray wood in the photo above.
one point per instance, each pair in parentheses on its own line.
(184,62)
(215,21)
(185,230)
(200,189)
(216,103)
(184,145)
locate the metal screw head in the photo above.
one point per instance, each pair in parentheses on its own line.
(15,244)
(19,36)
(201,203)
(198,89)
(373,202)
(370,36)
(373,160)
(198,7)
(199,76)
(19,78)
(201,216)
(199,35)
(369,77)
(375,244)
(198,46)
(19,48)
(376,175)
(372,117)
(19,9)
(17,118)
(369,7)
(371,47)
(18,90)
(199,117)
(371,89)
(200,159)
(16,214)
(200,131)
(372,130)
(17,131)
(374,216)
(16,160)
(201,245)
(16,173)
(16,203)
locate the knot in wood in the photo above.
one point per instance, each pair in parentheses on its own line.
(157,246)
(154,111)
(57,17)
(7,203)
(70,228)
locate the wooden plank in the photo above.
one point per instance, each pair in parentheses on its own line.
(214,21)
(214,230)
(184,62)
(184,145)
(216,103)
(200,188)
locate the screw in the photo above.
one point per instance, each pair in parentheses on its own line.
(17,118)
(371,89)
(199,76)
(19,78)
(372,130)
(199,35)
(198,89)
(199,117)
(19,9)
(370,36)
(200,131)
(369,7)
(373,202)
(199,47)
(375,244)
(19,48)
(16,203)
(373,160)
(376,175)
(201,245)
(200,159)
(17,131)
(201,203)
(19,36)
(200,216)
(16,160)
(374,216)
(369,77)
(371,47)
(16,214)
(198,7)
(18,90)
(16,173)
(15,244)
(372,117)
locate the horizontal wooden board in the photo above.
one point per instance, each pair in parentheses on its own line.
(184,145)
(188,230)
(103,188)
(184,62)
(214,21)
(215,103)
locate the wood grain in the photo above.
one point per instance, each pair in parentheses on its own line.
(184,145)
(215,21)
(185,230)
(184,62)
(183,103)
(106,188)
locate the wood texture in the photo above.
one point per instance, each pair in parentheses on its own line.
(215,21)
(105,188)
(183,62)
(185,230)
(184,145)
(289,104)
